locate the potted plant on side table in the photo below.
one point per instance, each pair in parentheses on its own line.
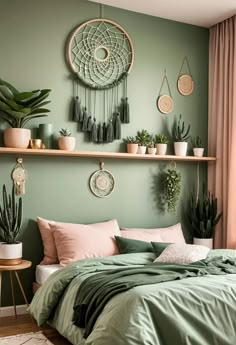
(181,137)
(203,218)
(17,108)
(10,226)
(161,142)
(66,141)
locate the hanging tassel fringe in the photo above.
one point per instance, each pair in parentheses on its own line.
(85,120)
(104,129)
(89,124)
(110,132)
(117,126)
(126,111)
(122,108)
(77,112)
(94,134)
(100,133)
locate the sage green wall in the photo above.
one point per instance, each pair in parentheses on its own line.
(32,55)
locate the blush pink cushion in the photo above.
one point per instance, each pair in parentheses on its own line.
(49,246)
(79,241)
(172,234)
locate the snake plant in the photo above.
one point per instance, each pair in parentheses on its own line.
(10,216)
(17,108)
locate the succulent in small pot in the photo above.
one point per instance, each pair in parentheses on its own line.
(131,144)
(198,150)
(151,148)
(143,138)
(17,109)
(10,227)
(66,141)
(161,142)
(181,136)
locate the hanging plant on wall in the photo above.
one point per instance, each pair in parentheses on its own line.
(171,182)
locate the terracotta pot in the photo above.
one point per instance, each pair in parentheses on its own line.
(180,148)
(132,148)
(17,137)
(161,149)
(10,254)
(198,151)
(207,242)
(66,143)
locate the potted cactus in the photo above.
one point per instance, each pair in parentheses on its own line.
(17,109)
(10,226)
(131,144)
(181,136)
(66,141)
(203,218)
(161,142)
(198,150)
(143,138)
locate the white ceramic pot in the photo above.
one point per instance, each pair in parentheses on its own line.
(198,151)
(207,242)
(152,150)
(66,143)
(142,150)
(180,148)
(10,254)
(132,148)
(17,137)
(161,149)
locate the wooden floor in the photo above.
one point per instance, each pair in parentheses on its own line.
(23,324)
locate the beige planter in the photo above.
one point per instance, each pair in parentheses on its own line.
(132,148)
(66,143)
(207,242)
(142,150)
(161,149)
(17,137)
(198,151)
(180,148)
(10,254)
(152,150)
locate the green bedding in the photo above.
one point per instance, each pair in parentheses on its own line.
(193,311)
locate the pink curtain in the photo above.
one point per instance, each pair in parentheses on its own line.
(222,128)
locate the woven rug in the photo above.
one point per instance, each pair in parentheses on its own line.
(26,339)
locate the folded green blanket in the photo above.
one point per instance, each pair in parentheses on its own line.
(95,291)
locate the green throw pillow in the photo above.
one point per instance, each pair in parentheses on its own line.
(158,247)
(128,245)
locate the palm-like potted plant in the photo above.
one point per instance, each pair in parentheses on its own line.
(10,226)
(161,142)
(198,150)
(17,108)
(203,218)
(66,141)
(143,138)
(181,136)
(131,144)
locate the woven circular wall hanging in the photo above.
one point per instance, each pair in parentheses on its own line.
(165,104)
(185,82)
(101,53)
(102,182)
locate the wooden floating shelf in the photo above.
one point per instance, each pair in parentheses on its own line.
(94,154)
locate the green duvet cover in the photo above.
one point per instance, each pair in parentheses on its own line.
(199,310)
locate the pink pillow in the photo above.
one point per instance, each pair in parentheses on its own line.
(50,250)
(78,241)
(171,234)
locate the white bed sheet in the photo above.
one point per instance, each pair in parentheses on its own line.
(44,271)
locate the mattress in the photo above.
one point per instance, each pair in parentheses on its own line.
(44,271)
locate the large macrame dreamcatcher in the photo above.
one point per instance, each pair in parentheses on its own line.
(100,55)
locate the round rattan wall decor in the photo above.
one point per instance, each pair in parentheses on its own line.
(102,182)
(185,84)
(165,104)
(101,53)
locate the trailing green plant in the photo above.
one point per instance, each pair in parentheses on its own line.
(197,142)
(172,189)
(143,137)
(130,140)
(65,132)
(10,216)
(202,215)
(17,108)
(180,133)
(161,139)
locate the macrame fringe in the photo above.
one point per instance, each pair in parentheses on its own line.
(110,132)
(117,126)
(100,133)
(94,134)
(85,120)
(77,111)
(126,111)
(104,129)
(89,124)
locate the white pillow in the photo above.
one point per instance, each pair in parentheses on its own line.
(183,253)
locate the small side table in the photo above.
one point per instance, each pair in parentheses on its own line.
(13,269)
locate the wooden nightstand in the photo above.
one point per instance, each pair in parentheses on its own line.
(22,266)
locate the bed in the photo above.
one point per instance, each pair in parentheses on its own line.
(198,309)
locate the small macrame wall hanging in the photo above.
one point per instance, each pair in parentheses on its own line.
(185,81)
(102,182)
(100,54)
(19,176)
(165,102)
